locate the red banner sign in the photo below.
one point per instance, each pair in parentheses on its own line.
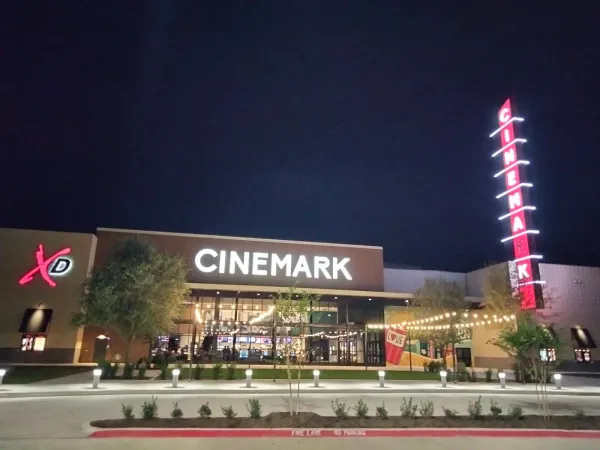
(513,195)
(395,338)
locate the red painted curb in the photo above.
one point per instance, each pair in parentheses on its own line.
(339,432)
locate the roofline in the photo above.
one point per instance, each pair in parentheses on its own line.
(320,291)
(233,238)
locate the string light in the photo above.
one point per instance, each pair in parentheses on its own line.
(424,324)
(263,316)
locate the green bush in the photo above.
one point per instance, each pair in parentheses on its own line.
(105,367)
(231,371)
(382,413)
(489,373)
(127,411)
(142,371)
(516,412)
(495,410)
(432,366)
(205,412)
(198,371)
(426,409)
(177,413)
(150,409)
(474,409)
(254,408)
(112,371)
(339,409)
(163,366)
(216,370)
(228,412)
(128,371)
(472,376)
(407,409)
(361,409)
(579,413)
(449,412)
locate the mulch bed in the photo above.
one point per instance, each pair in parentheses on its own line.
(312,420)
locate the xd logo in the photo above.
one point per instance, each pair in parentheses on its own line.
(55,265)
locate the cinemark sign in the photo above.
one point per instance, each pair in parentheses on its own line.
(525,261)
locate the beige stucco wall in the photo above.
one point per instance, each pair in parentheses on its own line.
(485,354)
(18,256)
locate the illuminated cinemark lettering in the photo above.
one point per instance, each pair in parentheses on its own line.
(271,264)
(525,263)
(55,265)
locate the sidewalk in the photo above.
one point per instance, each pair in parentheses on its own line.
(237,387)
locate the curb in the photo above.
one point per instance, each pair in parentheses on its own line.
(158,433)
(167,390)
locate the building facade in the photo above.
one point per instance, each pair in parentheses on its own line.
(357,314)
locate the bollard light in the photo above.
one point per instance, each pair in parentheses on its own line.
(558,381)
(96,380)
(382,378)
(502,379)
(443,376)
(175,373)
(316,374)
(2,373)
(249,378)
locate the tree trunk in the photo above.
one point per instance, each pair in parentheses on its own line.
(127,349)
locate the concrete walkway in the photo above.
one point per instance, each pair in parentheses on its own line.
(236,387)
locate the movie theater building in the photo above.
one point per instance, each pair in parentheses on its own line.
(230,306)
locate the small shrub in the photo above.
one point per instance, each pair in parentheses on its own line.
(579,413)
(407,409)
(142,371)
(432,366)
(474,409)
(127,411)
(216,370)
(381,412)
(231,371)
(495,410)
(472,376)
(339,409)
(128,371)
(449,412)
(516,412)
(228,412)
(254,408)
(198,371)
(177,413)
(361,409)
(150,409)
(105,367)
(112,370)
(489,373)
(426,409)
(163,366)
(205,412)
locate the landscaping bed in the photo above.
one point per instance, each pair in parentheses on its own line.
(34,374)
(312,420)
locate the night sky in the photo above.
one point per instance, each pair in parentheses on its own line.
(361,122)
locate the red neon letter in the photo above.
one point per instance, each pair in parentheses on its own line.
(42,266)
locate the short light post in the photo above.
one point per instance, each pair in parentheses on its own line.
(249,378)
(382,378)
(175,373)
(444,377)
(502,379)
(316,374)
(558,381)
(96,380)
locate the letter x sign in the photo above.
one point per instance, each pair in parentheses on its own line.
(60,266)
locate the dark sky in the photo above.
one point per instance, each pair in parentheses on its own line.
(361,122)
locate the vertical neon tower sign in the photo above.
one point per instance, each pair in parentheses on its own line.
(525,264)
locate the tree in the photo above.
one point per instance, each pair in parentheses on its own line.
(499,297)
(524,341)
(442,297)
(291,311)
(138,293)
